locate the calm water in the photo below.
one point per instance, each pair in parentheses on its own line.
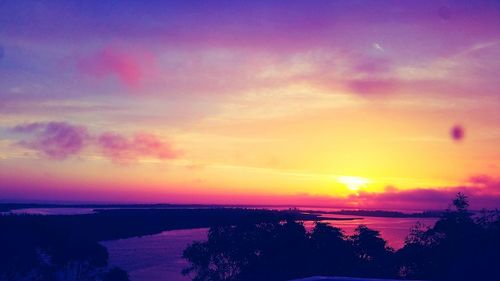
(394,230)
(154,257)
(52,211)
(159,257)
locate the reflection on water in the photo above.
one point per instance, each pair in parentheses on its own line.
(394,230)
(154,257)
(159,257)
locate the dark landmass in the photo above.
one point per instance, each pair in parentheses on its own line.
(39,247)
(385,214)
(247,244)
(5,207)
(109,224)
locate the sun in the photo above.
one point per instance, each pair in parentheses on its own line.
(353,183)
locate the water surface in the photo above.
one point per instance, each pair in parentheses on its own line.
(394,230)
(154,257)
(51,211)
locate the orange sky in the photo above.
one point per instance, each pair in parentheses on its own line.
(313,104)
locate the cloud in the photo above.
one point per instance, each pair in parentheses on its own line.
(122,150)
(483,192)
(486,183)
(56,140)
(486,195)
(373,86)
(481,179)
(177,34)
(412,200)
(61,140)
(372,66)
(129,67)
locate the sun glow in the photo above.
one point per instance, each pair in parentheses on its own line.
(353,183)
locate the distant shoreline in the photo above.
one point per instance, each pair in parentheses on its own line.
(6,207)
(110,224)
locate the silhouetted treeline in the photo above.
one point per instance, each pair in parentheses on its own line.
(458,247)
(284,251)
(46,248)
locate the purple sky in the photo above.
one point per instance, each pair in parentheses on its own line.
(238,100)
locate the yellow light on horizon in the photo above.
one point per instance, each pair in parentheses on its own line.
(353,183)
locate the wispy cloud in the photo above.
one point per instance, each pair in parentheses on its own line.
(57,140)
(61,140)
(130,67)
(123,150)
(483,191)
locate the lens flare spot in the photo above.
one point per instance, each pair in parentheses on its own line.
(457,133)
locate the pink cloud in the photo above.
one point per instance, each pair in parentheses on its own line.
(57,140)
(372,66)
(481,180)
(486,184)
(60,140)
(485,195)
(131,68)
(123,150)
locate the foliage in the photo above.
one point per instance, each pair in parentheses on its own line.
(116,274)
(283,251)
(460,246)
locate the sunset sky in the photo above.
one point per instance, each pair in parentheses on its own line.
(364,104)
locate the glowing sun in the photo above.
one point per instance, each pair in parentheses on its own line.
(353,183)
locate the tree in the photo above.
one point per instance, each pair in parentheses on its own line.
(116,274)
(284,251)
(461,202)
(373,252)
(458,247)
(274,251)
(332,252)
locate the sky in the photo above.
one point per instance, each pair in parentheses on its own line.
(359,104)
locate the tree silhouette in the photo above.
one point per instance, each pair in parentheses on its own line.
(461,202)
(116,274)
(460,246)
(373,252)
(284,251)
(332,252)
